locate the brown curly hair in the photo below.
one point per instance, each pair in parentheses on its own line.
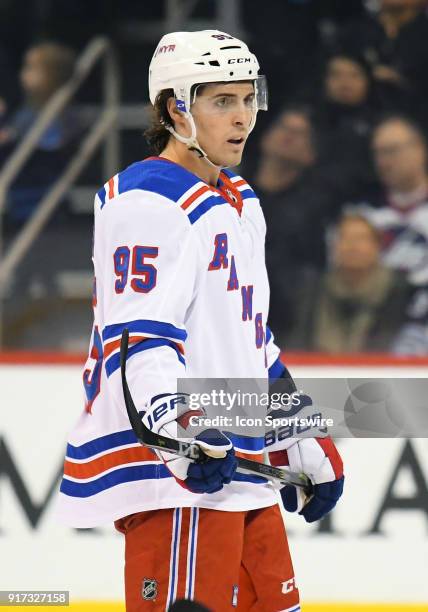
(157,135)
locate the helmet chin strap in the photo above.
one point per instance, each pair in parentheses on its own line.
(192,141)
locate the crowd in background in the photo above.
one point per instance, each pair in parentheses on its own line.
(339,163)
(342,175)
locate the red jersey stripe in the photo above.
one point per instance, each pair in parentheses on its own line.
(195,195)
(115,344)
(106,462)
(111,188)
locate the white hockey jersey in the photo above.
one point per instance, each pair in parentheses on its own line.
(181,265)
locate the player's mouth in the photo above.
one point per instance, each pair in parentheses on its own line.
(236,141)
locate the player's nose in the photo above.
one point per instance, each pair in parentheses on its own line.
(241,117)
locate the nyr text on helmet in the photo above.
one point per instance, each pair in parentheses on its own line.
(165,49)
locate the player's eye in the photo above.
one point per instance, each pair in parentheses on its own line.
(249,101)
(222,102)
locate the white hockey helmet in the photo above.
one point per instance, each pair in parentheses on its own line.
(185,59)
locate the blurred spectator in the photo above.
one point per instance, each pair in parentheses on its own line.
(400,155)
(344,116)
(393,41)
(46,67)
(297,202)
(359,305)
(347,81)
(400,212)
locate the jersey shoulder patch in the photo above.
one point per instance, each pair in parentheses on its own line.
(167,179)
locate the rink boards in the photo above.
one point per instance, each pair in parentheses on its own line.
(373,550)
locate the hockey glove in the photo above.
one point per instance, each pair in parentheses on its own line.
(210,475)
(163,416)
(319,459)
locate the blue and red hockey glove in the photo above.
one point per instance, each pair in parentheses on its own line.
(319,459)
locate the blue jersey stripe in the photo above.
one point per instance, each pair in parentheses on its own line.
(268,334)
(158,328)
(204,207)
(247,193)
(102,196)
(99,445)
(113,363)
(119,476)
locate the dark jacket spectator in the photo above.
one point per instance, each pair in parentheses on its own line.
(359,305)
(393,41)
(344,116)
(298,204)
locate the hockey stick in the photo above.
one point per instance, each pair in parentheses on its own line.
(146,437)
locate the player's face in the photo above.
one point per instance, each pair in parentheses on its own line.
(223,115)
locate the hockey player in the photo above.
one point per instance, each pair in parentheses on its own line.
(179,261)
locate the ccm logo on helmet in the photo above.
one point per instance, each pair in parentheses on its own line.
(239,60)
